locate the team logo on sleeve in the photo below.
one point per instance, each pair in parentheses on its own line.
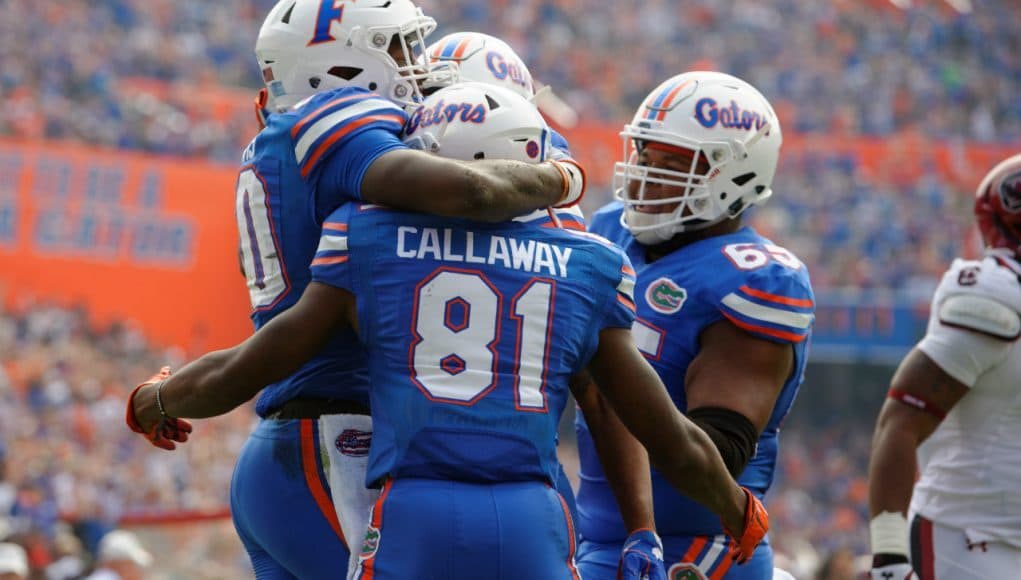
(665,297)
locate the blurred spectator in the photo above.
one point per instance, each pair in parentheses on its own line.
(121,557)
(13,562)
(840,565)
(68,456)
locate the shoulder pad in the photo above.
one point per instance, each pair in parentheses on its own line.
(981,314)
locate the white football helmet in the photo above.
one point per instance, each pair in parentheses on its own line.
(479,121)
(308,46)
(483,59)
(733,137)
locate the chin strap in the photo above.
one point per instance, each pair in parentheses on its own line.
(261,115)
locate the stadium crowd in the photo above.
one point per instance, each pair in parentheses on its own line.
(69,469)
(836,67)
(151,76)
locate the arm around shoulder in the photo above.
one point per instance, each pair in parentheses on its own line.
(485,190)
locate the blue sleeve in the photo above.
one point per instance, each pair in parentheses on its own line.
(606,219)
(774,303)
(620,312)
(331,264)
(340,178)
(344,129)
(560,148)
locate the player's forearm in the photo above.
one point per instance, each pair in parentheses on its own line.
(892,468)
(198,390)
(624,460)
(506,189)
(689,460)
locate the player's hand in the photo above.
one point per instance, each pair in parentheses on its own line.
(574,181)
(162,431)
(756,524)
(642,557)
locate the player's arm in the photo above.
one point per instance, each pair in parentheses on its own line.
(626,466)
(221,380)
(921,395)
(678,448)
(488,190)
(624,460)
(732,386)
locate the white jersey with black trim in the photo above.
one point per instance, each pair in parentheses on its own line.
(971,465)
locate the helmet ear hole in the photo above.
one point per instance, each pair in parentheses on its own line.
(314,82)
(345,72)
(493,105)
(480,155)
(743,178)
(287,15)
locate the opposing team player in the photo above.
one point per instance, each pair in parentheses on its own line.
(473,331)
(723,314)
(337,78)
(956,402)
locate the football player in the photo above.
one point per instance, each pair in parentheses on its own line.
(473,331)
(723,314)
(486,59)
(953,413)
(338,79)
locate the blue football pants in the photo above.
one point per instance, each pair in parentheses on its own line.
(281,504)
(444,530)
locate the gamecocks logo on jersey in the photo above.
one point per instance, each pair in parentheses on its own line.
(353,443)
(665,297)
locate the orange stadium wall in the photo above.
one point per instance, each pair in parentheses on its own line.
(128,236)
(153,239)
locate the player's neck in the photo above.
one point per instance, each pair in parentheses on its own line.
(653,253)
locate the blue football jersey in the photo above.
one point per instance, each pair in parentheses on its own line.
(740,277)
(473,331)
(306,163)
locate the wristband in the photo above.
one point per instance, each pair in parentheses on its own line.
(889,533)
(159,400)
(574,182)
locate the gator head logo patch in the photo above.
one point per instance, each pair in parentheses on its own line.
(353,443)
(685,571)
(370,544)
(665,297)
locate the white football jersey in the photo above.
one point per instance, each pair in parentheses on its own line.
(971,465)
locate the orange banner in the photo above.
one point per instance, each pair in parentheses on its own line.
(129,236)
